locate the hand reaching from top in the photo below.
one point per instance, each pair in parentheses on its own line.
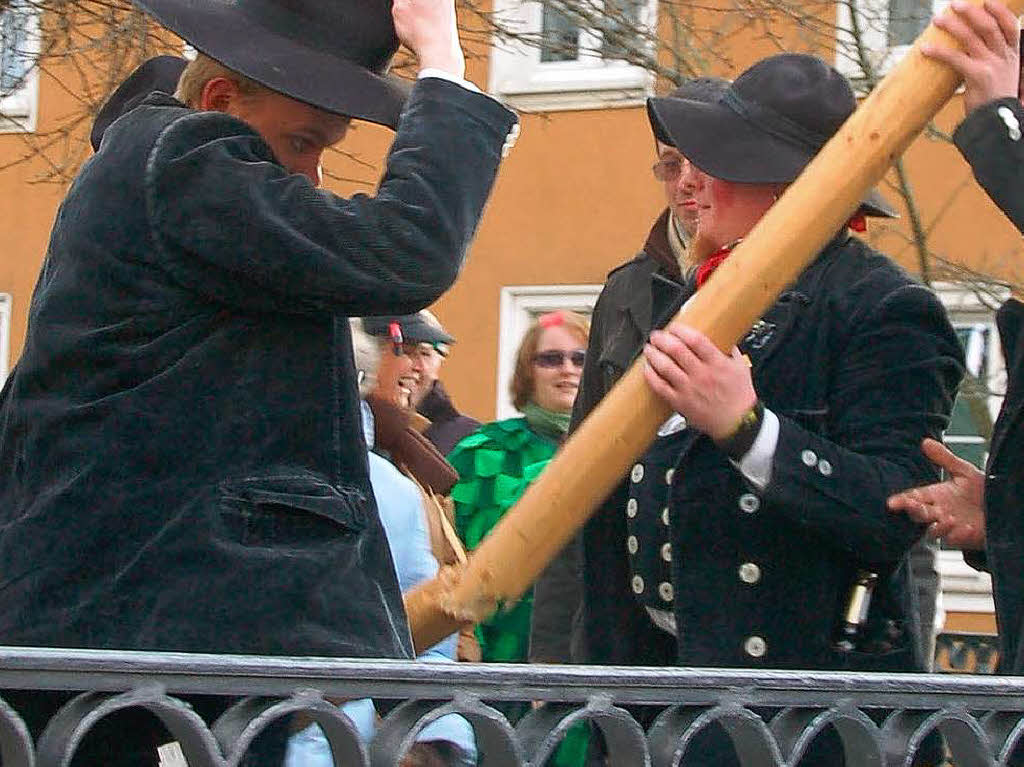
(428,29)
(990,61)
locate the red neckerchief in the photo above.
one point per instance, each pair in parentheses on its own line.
(857,223)
(712,262)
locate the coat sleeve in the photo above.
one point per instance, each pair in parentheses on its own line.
(592,384)
(558,591)
(896,370)
(991,140)
(231,224)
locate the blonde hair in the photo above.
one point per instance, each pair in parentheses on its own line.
(521,387)
(201,70)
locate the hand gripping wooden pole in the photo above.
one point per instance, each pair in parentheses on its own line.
(785,240)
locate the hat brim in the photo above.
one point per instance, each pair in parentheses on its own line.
(316,77)
(413,328)
(726,146)
(875,205)
(433,336)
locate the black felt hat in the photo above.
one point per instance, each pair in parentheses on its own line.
(160,73)
(766,126)
(333,54)
(695,89)
(414,327)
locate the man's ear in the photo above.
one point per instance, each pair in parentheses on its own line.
(218,95)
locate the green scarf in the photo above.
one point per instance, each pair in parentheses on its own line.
(547,423)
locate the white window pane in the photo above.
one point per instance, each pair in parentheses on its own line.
(15,56)
(5,336)
(619,31)
(907,20)
(560,35)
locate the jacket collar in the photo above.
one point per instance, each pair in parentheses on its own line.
(658,248)
(437,405)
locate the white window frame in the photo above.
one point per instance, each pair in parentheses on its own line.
(874,21)
(519,77)
(964,589)
(6,312)
(519,304)
(18,111)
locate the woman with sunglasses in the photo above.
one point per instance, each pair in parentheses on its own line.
(499,460)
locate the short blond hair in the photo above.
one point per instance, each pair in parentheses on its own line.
(201,70)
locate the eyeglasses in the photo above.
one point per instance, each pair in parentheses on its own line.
(669,169)
(555,358)
(405,348)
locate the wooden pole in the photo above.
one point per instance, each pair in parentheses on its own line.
(771,257)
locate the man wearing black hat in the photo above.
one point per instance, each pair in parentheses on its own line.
(640,295)
(183,425)
(757,517)
(630,302)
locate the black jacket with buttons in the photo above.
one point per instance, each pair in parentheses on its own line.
(995,151)
(181,456)
(860,363)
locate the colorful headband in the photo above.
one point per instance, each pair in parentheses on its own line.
(551,319)
(395,336)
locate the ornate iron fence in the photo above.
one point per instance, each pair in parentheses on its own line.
(981,717)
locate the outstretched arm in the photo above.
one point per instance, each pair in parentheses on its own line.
(954,509)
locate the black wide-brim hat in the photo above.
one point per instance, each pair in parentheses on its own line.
(160,73)
(766,126)
(333,54)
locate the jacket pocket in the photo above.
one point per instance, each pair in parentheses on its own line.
(289,510)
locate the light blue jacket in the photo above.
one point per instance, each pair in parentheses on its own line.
(400,505)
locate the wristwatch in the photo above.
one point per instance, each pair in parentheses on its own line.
(738,443)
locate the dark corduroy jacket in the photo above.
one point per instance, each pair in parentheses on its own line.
(447,426)
(859,363)
(997,158)
(181,459)
(987,142)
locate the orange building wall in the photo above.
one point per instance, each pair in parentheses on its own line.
(27,210)
(573,199)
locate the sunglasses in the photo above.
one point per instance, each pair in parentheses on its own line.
(556,358)
(669,169)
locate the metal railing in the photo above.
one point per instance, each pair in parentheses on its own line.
(771,716)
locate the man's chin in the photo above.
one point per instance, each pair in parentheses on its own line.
(687,217)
